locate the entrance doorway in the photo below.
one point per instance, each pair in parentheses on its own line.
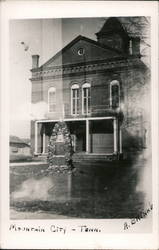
(78,134)
(101,136)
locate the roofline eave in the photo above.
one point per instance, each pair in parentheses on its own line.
(73,42)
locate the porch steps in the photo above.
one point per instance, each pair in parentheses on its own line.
(84,157)
(41,157)
(93,157)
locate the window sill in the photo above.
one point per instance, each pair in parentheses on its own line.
(75,115)
(89,114)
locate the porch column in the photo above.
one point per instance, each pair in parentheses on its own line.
(36,138)
(43,141)
(115,135)
(87,135)
(120,138)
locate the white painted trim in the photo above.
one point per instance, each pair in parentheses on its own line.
(115,82)
(87,136)
(101,118)
(120,138)
(82,103)
(115,135)
(101,154)
(44,141)
(52,89)
(86,85)
(75,86)
(43,121)
(78,119)
(36,138)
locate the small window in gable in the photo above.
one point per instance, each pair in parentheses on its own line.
(114,94)
(75,99)
(52,99)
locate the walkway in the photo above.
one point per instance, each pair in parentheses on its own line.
(27,163)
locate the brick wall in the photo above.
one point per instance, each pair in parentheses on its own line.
(136,109)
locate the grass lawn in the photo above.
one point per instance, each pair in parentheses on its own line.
(100,190)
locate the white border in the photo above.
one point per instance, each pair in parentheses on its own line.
(113,237)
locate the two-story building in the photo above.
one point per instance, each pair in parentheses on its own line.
(93,86)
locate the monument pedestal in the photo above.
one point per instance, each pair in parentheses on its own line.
(60,147)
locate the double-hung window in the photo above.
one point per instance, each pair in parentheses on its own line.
(86,98)
(52,99)
(114,94)
(75,99)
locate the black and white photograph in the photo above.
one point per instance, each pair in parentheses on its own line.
(80,124)
(86,149)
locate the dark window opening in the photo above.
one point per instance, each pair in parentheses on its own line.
(115,96)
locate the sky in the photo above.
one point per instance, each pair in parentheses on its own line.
(44,37)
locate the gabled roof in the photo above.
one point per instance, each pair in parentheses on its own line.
(115,52)
(129,26)
(17,140)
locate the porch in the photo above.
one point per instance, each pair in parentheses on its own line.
(95,136)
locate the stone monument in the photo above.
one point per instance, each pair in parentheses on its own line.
(60,148)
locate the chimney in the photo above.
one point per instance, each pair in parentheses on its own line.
(35,61)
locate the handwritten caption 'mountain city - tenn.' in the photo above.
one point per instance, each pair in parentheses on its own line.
(55,229)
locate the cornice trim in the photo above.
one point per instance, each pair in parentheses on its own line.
(53,73)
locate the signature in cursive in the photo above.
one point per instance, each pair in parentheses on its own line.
(140,216)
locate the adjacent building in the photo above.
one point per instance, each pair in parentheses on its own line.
(18,148)
(99,88)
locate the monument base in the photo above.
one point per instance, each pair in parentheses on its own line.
(58,160)
(52,169)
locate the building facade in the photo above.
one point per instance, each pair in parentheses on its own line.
(96,87)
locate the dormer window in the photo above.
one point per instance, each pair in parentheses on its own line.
(86,98)
(114,94)
(52,99)
(75,99)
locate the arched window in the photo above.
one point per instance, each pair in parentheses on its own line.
(86,98)
(114,94)
(130,47)
(75,99)
(52,99)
